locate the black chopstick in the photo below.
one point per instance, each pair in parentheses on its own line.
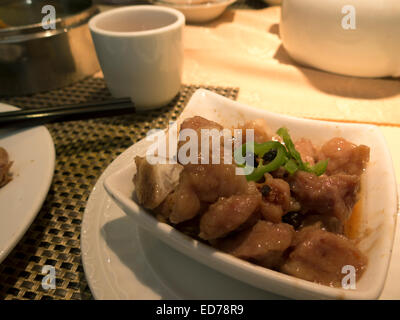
(40,116)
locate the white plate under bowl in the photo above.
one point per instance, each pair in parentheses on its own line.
(199,13)
(122,261)
(379,199)
(33,156)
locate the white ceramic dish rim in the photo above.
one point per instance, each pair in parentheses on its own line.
(196,6)
(239,269)
(35,207)
(93,22)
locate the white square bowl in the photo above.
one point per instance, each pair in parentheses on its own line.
(378,196)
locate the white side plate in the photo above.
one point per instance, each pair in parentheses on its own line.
(33,156)
(200,13)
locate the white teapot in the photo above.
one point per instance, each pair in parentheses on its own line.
(351,37)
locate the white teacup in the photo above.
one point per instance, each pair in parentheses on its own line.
(357,38)
(140,52)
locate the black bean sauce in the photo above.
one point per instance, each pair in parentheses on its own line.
(265,190)
(293,218)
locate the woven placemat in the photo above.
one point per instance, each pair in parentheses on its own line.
(83,150)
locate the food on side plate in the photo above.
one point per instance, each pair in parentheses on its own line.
(287,213)
(5,165)
(3,25)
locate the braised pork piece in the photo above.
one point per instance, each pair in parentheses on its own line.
(288,216)
(5,165)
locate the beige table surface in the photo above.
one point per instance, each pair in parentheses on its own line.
(243,49)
